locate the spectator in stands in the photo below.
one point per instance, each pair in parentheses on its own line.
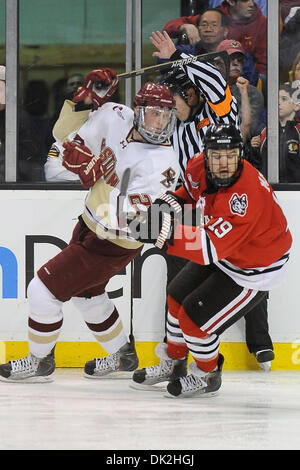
(73,83)
(212,29)
(289,138)
(289,45)
(294,80)
(36,100)
(247,25)
(294,73)
(30,151)
(261,3)
(287,10)
(250,100)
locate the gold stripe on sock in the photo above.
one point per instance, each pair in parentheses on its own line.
(42,339)
(109,336)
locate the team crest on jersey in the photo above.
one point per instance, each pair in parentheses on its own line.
(238,204)
(169,175)
(293,147)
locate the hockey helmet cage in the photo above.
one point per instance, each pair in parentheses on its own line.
(155,96)
(223,136)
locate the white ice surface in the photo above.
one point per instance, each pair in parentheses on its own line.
(253,410)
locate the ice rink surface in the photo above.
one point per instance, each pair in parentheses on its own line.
(253,410)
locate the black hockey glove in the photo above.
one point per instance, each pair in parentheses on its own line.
(170,203)
(157,224)
(152,226)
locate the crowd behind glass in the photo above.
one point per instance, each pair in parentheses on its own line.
(35,125)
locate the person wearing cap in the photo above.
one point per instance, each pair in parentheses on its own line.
(250,100)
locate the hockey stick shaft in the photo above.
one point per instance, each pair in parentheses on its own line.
(123,192)
(131,333)
(172,63)
(122,222)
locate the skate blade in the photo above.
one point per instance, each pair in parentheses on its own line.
(35,379)
(110,375)
(147,387)
(265,366)
(194,395)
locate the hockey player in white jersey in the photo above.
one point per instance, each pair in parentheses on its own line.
(113,139)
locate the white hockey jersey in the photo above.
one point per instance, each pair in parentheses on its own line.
(154,169)
(65,128)
(53,168)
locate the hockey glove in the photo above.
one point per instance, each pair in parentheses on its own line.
(179,209)
(80,160)
(171,208)
(100,84)
(153,226)
(170,203)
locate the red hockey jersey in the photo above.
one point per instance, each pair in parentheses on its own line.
(244,231)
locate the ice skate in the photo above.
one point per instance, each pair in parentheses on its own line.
(29,369)
(264,359)
(124,360)
(168,369)
(198,383)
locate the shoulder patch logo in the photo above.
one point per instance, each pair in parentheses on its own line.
(238,204)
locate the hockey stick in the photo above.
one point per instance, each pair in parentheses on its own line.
(210,57)
(121,215)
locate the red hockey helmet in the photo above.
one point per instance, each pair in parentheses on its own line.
(155,113)
(152,94)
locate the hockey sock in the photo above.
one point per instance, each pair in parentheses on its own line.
(45,318)
(203,347)
(177,348)
(109,332)
(103,320)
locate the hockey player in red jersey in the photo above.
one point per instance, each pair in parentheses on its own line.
(202,99)
(238,250)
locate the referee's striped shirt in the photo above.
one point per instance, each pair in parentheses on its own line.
(219,106)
